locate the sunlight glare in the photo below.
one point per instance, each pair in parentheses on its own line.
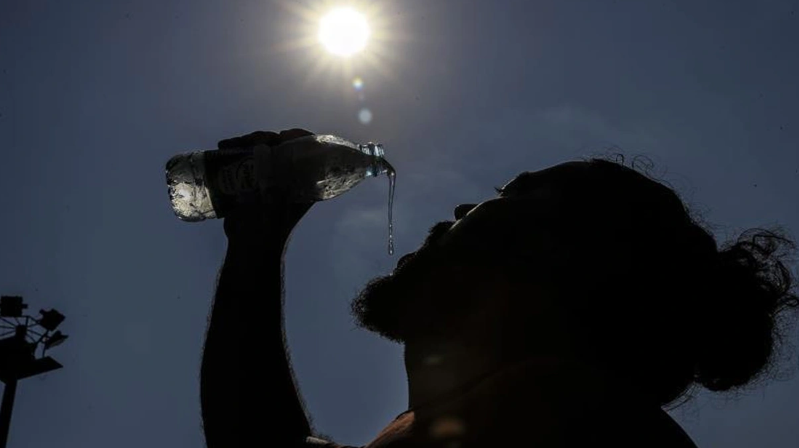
(344,31)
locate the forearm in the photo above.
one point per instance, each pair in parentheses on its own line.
(245,373)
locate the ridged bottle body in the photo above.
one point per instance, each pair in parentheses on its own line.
(208,184)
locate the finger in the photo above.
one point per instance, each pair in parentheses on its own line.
(291,134)
(255,138)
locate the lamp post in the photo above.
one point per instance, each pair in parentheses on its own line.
(20,338)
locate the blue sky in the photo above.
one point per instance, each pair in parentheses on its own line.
(96,96)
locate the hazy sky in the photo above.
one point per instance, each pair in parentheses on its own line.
(95,96)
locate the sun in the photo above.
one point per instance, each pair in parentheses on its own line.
(344,31)
(337,41)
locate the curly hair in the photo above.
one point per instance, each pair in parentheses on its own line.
(754,289)
(716,315)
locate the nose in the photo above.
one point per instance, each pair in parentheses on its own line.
(461,210)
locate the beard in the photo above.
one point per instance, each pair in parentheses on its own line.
(420,299)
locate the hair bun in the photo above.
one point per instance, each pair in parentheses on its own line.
(753,287)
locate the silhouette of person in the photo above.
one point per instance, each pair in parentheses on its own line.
(567,311)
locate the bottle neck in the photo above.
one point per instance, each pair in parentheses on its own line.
(377,167)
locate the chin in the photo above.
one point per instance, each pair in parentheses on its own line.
(418,299)
(391,305)
(379,308)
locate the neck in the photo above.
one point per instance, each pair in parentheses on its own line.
(442,371)
(436,370)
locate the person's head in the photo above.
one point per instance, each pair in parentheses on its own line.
(595,261)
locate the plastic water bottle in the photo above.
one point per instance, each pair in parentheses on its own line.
(209,184)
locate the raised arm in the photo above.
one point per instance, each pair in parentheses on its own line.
(247,390)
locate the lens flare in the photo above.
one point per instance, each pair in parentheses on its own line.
(357,83)
(365,116)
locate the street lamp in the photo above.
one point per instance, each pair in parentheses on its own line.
(20,337)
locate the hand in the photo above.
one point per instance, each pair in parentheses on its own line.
(268,138)
(280,216)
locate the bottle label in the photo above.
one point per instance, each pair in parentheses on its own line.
(230,178)
(237,177)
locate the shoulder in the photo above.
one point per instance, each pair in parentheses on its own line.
(315,442)
(396,431)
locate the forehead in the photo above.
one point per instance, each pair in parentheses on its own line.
(569,172)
